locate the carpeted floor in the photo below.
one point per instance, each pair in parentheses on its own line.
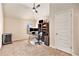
(24,48)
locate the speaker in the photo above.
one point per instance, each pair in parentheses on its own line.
(40,21)
(6,38)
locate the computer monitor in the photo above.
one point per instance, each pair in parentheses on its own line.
(33,29)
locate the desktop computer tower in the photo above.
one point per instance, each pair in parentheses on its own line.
(6,38)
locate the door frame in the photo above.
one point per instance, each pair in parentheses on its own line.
(71,10)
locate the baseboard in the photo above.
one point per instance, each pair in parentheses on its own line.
(52,46)
(74,54)
(62,50)
(19,40)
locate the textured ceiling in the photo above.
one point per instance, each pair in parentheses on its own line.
(24,10)
(17,10)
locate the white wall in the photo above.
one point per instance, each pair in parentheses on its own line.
(51,25)
(18,27)
(1,25)
(16,18)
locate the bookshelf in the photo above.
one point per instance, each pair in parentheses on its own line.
(43,27)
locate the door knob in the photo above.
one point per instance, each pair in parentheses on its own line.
(56,33)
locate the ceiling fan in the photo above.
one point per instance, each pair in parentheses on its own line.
(35,7)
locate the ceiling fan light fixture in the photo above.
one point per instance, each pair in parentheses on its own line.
(35,7)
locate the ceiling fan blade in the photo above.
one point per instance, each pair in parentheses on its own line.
(38,6)
(33,5)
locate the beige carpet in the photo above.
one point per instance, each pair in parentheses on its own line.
(24,48)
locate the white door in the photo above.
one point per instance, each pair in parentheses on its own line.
(63,31)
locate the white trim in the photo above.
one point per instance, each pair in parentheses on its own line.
(73,54)
(72,32)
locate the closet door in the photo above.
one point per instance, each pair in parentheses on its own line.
(63,31)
